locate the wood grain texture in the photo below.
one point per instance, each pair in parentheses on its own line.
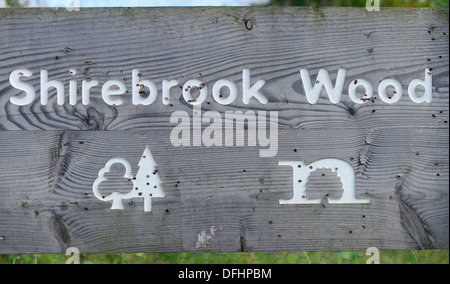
(50,155)
(213,43)
(47,203)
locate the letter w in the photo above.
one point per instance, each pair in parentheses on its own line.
(323,79)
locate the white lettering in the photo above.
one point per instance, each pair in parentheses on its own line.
(73,5)
(375,7)
(107,92)
(46,85)
(196,85)
(246,273)
(181,134)
(219,97)
(166,86)
(212,135)
(85,90)
(397,93)
(323,79)
(254,126)
(427,85)
(73,89)
(250,92)
(74,254)
(354,86)
(375,255)
(14,80)
(139,87)
(272,140)
(195,92)
(240,118)
(191,274)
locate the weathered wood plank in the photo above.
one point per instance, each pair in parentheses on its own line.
(224,198)
(213,43)
(47,202)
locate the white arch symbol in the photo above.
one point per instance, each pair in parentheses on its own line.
(302,173)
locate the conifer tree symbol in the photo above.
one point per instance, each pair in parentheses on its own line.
(146,183)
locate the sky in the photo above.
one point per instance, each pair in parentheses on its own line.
(142,3)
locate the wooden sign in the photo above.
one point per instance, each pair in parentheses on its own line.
(223,129)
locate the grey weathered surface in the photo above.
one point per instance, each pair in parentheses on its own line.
(47,202)
(400,152)
(213,43)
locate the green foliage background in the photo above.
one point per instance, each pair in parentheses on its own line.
(361,3)
(347,257)
(343,3)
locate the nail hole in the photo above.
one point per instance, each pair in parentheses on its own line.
(249,24)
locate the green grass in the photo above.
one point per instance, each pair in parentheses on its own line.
(386,257)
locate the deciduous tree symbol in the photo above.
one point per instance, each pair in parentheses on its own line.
(146,183)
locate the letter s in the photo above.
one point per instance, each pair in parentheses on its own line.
(14,79)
